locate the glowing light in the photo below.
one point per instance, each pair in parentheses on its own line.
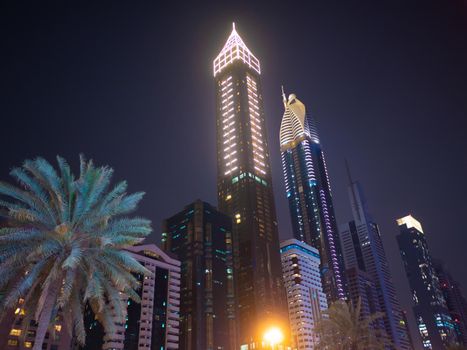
(15,331)
(410,222)
(235,49)
(273,336)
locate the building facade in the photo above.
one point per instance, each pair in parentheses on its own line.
(305,297)
(12,329)
(245,192)
(431,314)
(309,193)
(455,301)
(201,238)
(362,288)
(152,324)
(363,249)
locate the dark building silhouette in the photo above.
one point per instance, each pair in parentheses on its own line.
(245,192)
(455,301)
(431,314)
(309,193)
(201,238)
(363,249)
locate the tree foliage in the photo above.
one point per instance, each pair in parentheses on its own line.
(343,328)
(62,247)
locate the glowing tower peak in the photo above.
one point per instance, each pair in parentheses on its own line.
(235,49)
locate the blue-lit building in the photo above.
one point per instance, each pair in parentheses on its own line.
(455,301)
(309,193)
(305,297)
(201,238)
(433,319)
(363,250)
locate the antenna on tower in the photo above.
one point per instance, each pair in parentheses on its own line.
(233,26)
(283,95)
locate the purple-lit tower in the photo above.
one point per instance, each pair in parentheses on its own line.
(309,194)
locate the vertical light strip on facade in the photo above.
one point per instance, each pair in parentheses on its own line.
(256,134)
(228,125)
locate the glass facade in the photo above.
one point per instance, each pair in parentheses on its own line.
(434,322)
(201,238)
(309,193)
(363,249)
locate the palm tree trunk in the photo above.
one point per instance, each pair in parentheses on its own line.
(44,318)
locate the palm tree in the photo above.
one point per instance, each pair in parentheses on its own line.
(62,247)
(343,328)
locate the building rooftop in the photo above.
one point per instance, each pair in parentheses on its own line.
(410,222)
(235,49)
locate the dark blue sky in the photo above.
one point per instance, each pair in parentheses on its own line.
(130,85)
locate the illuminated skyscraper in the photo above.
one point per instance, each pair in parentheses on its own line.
(363,249)
(309,193)
(305,297)
(455,301)
(433,319)
(245,189)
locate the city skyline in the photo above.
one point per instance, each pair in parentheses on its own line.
(411,195)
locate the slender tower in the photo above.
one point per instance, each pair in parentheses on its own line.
(309,193)
(363,249)
(245,190)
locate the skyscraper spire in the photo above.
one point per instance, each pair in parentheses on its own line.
(284,99)
(235,49)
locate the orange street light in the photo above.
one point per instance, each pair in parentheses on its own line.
(273,336)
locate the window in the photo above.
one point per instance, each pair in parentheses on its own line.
(15,331)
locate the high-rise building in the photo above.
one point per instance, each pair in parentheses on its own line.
(455,301)
(362,289)
(305,297)
(363,249)
(201,238)
(245,191)
(152,324)
(15,335)
(309,193)
(431,314)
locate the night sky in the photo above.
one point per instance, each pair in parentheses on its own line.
(130,84)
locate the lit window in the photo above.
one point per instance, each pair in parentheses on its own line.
(15,331)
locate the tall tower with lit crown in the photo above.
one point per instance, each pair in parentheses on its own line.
(309,193)
(245,190)
(433,319)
